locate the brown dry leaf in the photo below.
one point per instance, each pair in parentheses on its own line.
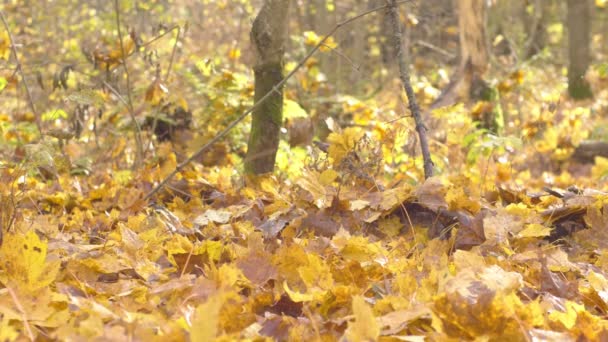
(156,92)
(257,267)
(498,227)
(556,284)
(470,230)
(321,195)
(432,193)
(394,322)
(320,223)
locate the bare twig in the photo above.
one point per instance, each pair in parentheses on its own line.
(339,53)
(177,37)
(176,27)
(117,94)
(404,75)
(437,49)
(26,322)
(223,133)
(139,157)
(30,99)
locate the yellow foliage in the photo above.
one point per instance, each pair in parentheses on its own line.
(364,327)
(24,264)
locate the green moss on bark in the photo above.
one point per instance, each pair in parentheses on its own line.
(266,120)
(579,88)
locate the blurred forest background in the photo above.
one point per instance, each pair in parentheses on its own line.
(71,55)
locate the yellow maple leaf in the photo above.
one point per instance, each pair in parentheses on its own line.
(206,320)
(534,230)
(599,283)
(234,53)
(465,259)
(360,249)
(600,169)
(316,273)
(310,181)
(5,45)
(568,318)
(341,144)
(458,199)
(8,332)
(168,166)
(23,262)
(312,39)
(297,296)
(365,327)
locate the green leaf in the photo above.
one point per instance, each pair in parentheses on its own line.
(54,114)
(292,109)
(3,83)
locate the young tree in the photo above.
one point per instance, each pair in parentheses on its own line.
(268,36)
(579,51)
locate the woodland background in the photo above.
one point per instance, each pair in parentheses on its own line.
(345,239)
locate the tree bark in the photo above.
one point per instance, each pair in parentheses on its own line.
(588,150)
(472,16)
(473,53)
(468,82)
(579,49)
(268,36)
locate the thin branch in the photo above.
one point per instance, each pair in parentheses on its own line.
(17,303)
(138,141)
(177,37)
(30,99)
(404,75)
(223,133)
(117,94)
(340,54)
(176,27)
(437,49)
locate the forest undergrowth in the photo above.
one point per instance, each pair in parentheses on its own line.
(509,241)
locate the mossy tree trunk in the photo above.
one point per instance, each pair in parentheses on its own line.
(268,36)
(579,54)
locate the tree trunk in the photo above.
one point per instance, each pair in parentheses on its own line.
(473,53)
(536,26)
(268,36)
(383,36)
(472,23)
(579,49)
(588,150)
(467,82)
